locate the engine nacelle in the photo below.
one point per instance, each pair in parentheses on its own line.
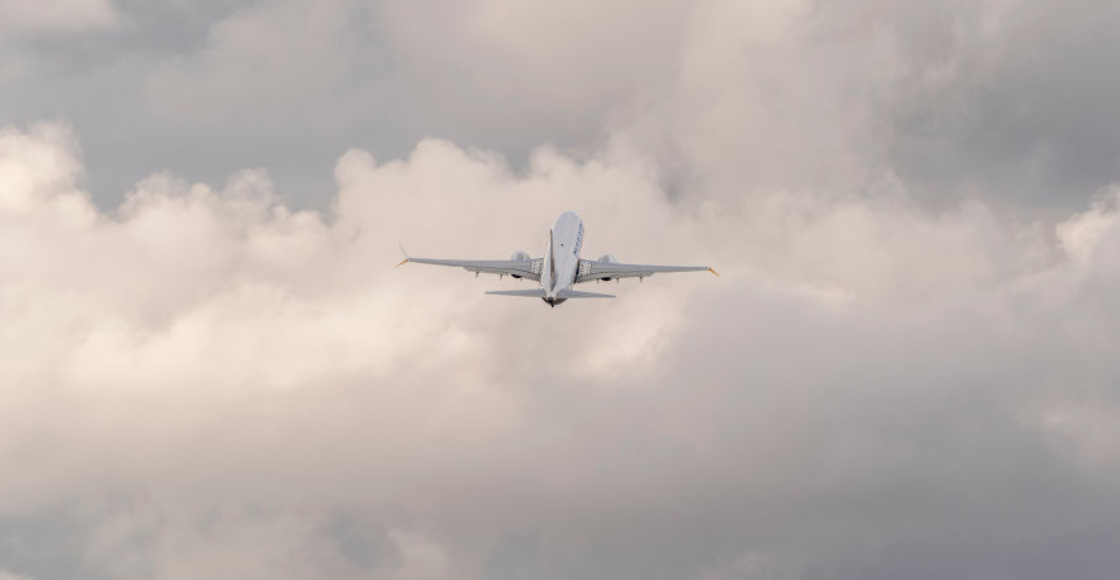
(520,255)
(608,259)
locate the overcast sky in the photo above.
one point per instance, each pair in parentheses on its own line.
(209,367)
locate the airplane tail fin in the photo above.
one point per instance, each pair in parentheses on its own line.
(551,258)
(530,293)
(582,294)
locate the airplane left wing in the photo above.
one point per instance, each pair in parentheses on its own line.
(528,269)
(591,270)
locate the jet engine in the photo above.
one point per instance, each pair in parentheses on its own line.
(520,255)
(608,259)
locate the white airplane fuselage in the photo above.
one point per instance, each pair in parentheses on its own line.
(561,259)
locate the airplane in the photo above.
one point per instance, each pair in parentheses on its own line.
(560,268)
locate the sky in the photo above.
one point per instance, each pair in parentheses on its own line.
(209,367)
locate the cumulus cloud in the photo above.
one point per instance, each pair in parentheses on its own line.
(906,370)
(206,382)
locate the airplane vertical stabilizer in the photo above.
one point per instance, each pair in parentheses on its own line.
(551,260)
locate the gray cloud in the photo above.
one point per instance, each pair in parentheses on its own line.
(18,18)
(907,368)
(959,100)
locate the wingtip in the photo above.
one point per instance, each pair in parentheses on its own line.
(713,271)
(406,256)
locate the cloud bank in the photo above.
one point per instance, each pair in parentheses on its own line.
(902,373)
(205,382)
(1004,101)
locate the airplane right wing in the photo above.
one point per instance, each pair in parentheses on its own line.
(590,270)
(529,269)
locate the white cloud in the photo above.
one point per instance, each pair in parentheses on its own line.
(213,383)
(1084,235)
(898,374)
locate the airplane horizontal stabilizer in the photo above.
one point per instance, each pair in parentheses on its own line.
(582,294)
(532,293)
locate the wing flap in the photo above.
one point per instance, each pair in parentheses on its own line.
(590,270)
(528,269)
